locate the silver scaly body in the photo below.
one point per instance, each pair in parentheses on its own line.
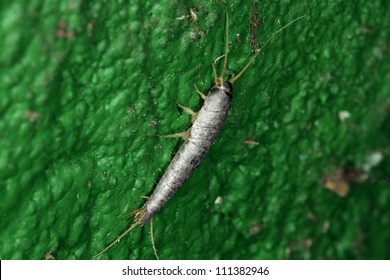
(204,132)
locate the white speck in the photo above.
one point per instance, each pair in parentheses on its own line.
(372,160)
(193,15)
(192,35)
(343,115)
(251,142)
(218,200)
(325,226)
(181,17)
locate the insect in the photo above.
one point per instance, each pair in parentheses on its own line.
(206,125)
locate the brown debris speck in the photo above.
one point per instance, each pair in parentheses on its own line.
(336,182)
(49,256)
(307,243)
(63,31)
(255,228)
(254,23)
(90,28)
(33,117)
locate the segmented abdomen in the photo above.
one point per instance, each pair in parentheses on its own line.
(204,131)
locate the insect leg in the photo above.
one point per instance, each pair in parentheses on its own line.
(193,114)
(185,135)
(200,93)
(187,110)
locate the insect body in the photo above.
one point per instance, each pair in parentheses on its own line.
(207,124)
(204,131)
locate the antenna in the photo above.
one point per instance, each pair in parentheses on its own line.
(258,50)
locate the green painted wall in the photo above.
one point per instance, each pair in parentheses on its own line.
(85,86)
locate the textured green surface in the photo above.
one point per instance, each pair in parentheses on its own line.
(80,108)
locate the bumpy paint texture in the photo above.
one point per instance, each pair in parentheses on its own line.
(86,86)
